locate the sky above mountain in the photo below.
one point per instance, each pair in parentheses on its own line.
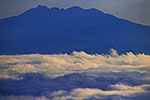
(133,10)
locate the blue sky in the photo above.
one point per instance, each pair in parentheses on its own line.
(133,10)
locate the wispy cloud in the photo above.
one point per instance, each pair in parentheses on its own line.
(85,93)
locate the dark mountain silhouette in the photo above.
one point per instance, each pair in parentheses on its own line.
(45,30)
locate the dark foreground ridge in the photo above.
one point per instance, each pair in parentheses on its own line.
(54,30)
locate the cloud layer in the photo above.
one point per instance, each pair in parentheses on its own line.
(58,65)
(79,76)
(80,93)
(85,93)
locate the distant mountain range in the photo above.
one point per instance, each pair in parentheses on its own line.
(54,30)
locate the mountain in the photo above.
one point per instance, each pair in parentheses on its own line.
(54,30)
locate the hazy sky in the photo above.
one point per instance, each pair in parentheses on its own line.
(133,10)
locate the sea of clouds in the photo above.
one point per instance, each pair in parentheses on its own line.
(79,76)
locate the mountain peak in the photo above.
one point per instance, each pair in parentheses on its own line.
(74,7)
(37,10)
(55,8)
(39,6)
(42,7)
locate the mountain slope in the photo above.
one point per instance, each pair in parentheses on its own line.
(44,30)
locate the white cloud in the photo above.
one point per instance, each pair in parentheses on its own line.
(11,97)
(61,64)
(12,66)
(84,93)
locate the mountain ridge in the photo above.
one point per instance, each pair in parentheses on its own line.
(71,29)
(73,7)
